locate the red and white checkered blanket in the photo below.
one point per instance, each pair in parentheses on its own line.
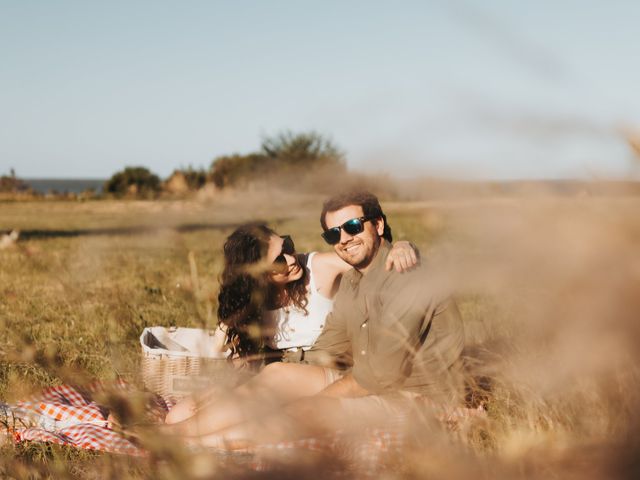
(68,415)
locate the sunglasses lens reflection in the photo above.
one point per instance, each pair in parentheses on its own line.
(353,227)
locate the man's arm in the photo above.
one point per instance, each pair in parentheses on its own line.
(332,348)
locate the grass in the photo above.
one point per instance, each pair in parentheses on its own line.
(548,295)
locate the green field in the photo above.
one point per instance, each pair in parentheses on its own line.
(549,291)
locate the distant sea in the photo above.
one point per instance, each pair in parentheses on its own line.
(62,185)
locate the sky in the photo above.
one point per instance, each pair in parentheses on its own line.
(478,89)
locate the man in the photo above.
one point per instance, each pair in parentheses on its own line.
(400,332)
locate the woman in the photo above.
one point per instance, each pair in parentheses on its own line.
(273,303)
(269,300)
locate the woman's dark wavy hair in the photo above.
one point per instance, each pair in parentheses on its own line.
(246,293)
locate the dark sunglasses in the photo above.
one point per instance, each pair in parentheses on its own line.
(352,227)
(288,248)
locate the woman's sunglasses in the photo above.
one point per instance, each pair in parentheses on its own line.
(288,248)
(352,227)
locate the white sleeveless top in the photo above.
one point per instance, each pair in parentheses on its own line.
(293,327)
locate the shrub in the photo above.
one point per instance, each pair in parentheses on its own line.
(285,154)
(12,184)
(195,178)
(186,179)
(235,170)
(137,181)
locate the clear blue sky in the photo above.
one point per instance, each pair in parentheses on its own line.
(474,88)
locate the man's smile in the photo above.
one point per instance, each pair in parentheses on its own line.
(351,248)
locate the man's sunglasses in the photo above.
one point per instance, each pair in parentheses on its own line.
(288,248)
(352,227)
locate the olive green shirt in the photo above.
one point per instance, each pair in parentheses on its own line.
(399,331)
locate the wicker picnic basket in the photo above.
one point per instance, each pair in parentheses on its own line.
(178,361)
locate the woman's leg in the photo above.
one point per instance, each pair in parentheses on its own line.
(188,406)
(182,410)
(277,384)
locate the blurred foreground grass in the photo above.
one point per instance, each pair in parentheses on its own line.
(549,291)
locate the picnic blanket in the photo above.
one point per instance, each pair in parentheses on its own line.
(68,415)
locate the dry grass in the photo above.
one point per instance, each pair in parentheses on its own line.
(550,297)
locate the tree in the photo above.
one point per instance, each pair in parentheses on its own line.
(137,181)
(306,150)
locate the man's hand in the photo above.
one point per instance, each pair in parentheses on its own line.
(403,257)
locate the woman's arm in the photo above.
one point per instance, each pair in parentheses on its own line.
(403,256)
(328,267)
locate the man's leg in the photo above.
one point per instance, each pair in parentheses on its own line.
(307,417)
(315,416)
(277,384)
